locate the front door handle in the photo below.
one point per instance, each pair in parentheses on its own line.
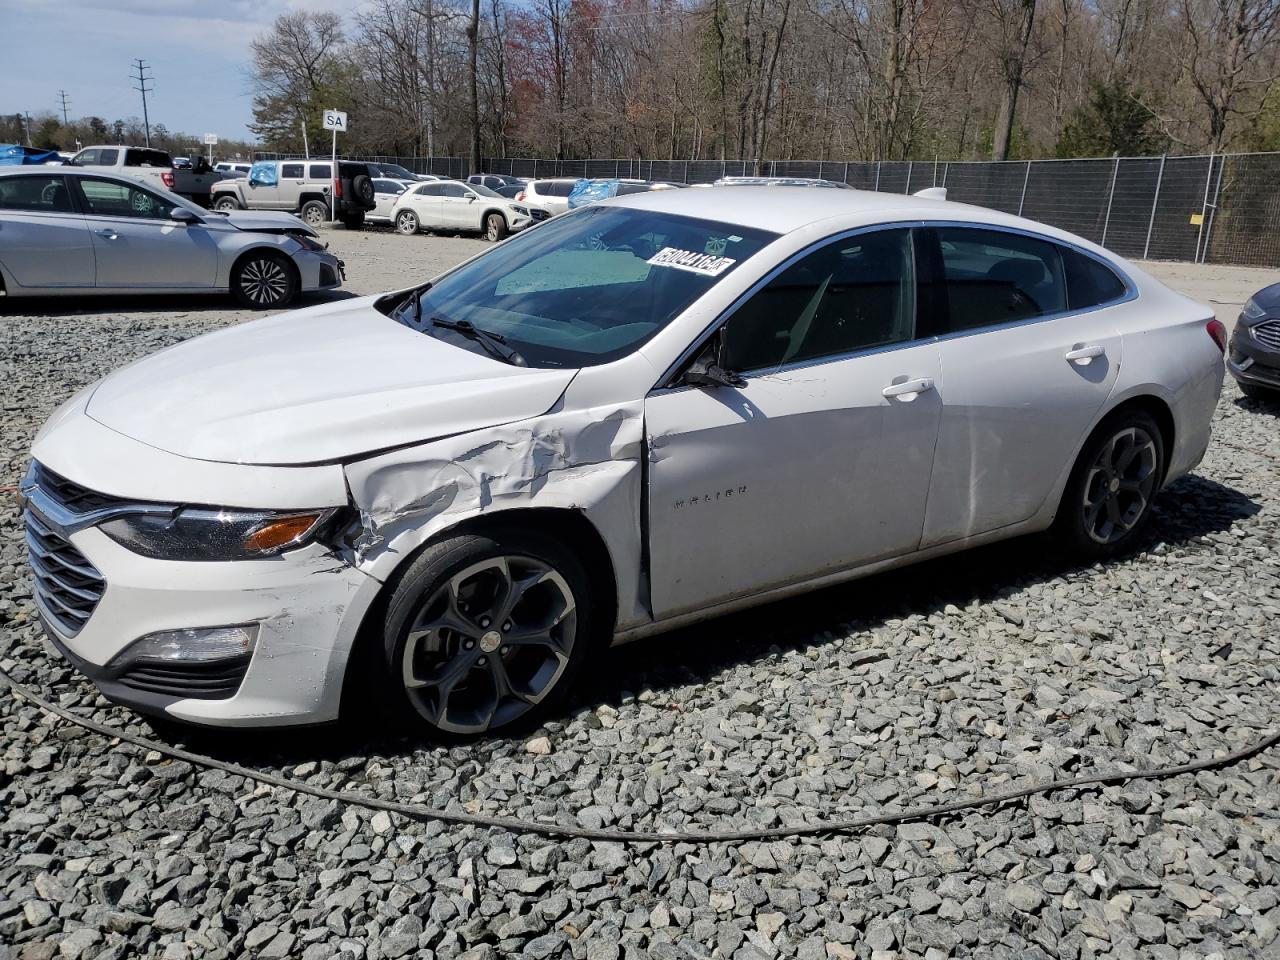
(1082,353)
(908,390)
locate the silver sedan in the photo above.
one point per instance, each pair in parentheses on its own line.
(64,231)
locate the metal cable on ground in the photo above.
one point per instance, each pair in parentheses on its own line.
(519,825)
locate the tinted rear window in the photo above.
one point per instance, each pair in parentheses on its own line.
(1089,282)
(319,171)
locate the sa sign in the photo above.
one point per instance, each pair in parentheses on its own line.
(335,120)
(211,139)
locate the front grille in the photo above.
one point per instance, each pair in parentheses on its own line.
(68,586)
(217,680)
(1267,333)
(537,214)
(70,494)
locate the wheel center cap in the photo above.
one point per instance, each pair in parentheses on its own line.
(1114,485)
(491,641)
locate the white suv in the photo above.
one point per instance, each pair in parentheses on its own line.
(549,196)
(450,205)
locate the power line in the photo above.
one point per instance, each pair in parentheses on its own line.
(143,89)
(62,98)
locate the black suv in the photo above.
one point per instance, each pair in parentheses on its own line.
(354,195)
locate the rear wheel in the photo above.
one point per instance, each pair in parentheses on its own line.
(1108,497)
(407,222)
(495,227)
(485,633)
(264,280)
(226,204)
(314,213)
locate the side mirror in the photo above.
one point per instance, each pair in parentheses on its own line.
(709,369)
(184,216)
(253,182)
(471,198)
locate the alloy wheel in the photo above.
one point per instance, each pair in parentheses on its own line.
(264,281)
(313,216)
(407,223)
(1119,485)
(489,644)
(493,228)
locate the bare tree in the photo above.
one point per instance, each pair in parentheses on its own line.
(1014,20)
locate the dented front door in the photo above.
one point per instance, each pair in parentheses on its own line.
(801,472)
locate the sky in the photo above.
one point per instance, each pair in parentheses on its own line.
(197,51)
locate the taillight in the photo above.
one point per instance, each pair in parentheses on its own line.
(167,177)
(520,197)
(1218,332)
(337,187)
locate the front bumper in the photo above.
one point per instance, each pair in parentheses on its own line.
(307,604)
(1252,362)
(319,270)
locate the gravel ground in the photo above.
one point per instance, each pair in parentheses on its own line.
(952,679)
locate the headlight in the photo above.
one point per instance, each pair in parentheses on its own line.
(310,243)
(1252,311)
(523,211)
(215,535)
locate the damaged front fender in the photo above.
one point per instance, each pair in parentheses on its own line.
(586,460)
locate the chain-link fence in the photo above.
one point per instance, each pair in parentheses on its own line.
(1223,208)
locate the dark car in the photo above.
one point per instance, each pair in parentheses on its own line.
(1254,358)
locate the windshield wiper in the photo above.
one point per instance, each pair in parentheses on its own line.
(417,293)
(495,343)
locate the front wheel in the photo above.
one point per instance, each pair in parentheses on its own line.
(495,227)
(1108,497)
(484,633)
(226,204)
(264,280)
(407,223)
(1255,392)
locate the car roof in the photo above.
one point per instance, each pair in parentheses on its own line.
(785,209)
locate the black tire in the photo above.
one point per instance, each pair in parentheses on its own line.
(227,204)
(495,227)
(314,213)
(407,223)
(353,221)
(362,187)
(1108,497)
(438,630)
(264,280)
(1255,392)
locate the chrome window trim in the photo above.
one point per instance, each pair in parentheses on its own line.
(664,382)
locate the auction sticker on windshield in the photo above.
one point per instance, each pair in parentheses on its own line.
(704,263)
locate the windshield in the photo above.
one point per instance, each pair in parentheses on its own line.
(590,287)
(484,191)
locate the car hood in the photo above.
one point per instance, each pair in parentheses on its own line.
(315,386)
(1268,297)
(266,221)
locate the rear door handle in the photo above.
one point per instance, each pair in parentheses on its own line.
(908,390)
(109,234)
(1082,353)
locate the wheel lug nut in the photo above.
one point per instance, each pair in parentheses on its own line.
(506,626)
(483,661)
(484,621)
(469,644)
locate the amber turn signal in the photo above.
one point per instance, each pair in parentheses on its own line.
(280,533)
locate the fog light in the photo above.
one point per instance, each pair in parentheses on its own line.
(197,645)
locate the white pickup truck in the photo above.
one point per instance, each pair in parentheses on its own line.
(155,166)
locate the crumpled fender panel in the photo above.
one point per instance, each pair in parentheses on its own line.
(585,460)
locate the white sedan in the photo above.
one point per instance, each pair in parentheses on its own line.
(452,205)
(639,415)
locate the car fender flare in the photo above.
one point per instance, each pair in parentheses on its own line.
(267,242)
(485,216)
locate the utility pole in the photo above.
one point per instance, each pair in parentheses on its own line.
(27,124)
(142,88)
(62,98)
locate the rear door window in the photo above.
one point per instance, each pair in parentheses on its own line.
(992,277)
(1090,283)
(39,194)
(291,170)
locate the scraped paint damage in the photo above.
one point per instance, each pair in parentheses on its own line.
(586,460)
